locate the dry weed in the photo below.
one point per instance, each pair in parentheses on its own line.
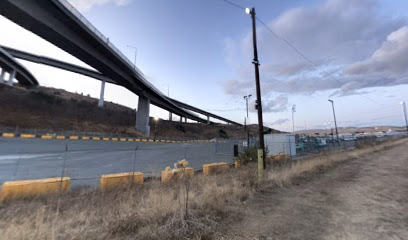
(154,210)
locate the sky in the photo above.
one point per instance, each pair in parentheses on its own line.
(354,52)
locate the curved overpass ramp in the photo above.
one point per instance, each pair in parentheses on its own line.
(16,70)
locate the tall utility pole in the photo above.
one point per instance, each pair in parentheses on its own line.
(404,108)
(261,149)
(335,122)
(293,118)
(246,119)
(135,52)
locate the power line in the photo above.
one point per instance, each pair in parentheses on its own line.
(234,4)
(308,59)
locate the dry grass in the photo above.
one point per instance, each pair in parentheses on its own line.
(155,210)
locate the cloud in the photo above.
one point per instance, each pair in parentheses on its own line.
(280,121)
(86,5)
(354,41)
(391,57)
(273,105)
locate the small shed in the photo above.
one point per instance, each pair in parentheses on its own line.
(280,143)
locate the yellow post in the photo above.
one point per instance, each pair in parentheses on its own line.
(260,164)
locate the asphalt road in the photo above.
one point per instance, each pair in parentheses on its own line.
(85,161)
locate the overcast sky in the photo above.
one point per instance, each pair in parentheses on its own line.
(352,51)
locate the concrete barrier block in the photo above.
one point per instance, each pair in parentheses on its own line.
(85,138)
(73,138)
(114,139)
(46,137)
(162,141)
(106,139)
(137,140)
(130,139)
(33,188)
(144,140)
(119,179)
(150,140)
(214,168)
(27,136)
(8,135)
(60,137)
(123,139)
(176,174)
(237,163)
(96,138)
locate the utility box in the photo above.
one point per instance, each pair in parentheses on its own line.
(280,143)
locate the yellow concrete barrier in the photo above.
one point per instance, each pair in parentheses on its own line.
(150,140)
(96,138)
(46,137)
(281,157)
(33,188)
(237,163)
(137,140)
(8,135)
(73,138)
(114,139)
(162,140)
(123,139)
(60,137)
(27,136)
(130,140)
(176,174)
(105,139)
(144,140)
(85,138)
(168,141)
(214,168)
(111,180)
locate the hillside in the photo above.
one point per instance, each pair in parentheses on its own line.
(56,110)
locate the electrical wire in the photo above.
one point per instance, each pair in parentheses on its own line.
(299,52)
(308,59)
(234,4)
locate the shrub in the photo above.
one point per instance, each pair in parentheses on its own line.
(250,154)
(222,133)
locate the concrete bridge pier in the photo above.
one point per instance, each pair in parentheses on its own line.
(208,120)
(170,116)
(142,115)
(2,75)
(101,97)
(11,77)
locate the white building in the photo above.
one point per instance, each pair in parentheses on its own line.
(280,143)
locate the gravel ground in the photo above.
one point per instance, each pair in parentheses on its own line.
(362,198)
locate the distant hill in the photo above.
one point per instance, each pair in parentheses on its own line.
(57,110)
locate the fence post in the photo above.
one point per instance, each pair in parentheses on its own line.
(134,165)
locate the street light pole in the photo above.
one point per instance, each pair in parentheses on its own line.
(335,122)
(293,118)
(261,149)
(135,52)
(404,108)
(246,120)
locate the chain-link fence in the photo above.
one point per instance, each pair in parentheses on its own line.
(85,161)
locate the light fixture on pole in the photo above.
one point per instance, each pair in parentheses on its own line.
(247,116)
(156,120)
(135,53)
(293,117)
(261,149)
(335,122)
(404,108)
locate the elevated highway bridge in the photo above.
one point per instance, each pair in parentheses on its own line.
(61,24)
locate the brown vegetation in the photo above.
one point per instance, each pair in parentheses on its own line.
(55,110)
(155,210)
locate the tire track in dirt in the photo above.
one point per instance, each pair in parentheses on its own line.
(363,198)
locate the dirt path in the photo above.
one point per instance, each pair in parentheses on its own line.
(365,198)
